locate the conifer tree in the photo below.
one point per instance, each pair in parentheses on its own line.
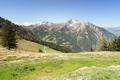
(9,36)
(115,44)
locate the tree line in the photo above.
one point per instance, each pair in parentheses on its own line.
(104,45)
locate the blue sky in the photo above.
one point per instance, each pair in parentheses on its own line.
(105,13)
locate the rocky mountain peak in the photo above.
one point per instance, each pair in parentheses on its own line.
(74,34)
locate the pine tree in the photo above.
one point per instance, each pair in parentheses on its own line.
(115,44)
(9,36)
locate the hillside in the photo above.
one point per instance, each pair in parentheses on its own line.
(74,35)
(27,65)
(28,46)
(25,45)
(23,33)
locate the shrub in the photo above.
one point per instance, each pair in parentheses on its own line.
(40,50)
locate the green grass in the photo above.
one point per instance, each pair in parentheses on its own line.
(61,66)
(51,68)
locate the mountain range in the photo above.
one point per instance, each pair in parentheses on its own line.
(70,36)
(74,35)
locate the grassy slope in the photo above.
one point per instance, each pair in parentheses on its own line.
(50,67)
(88,65)
(33,47)
(25,45)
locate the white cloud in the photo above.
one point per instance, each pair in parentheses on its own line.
(27,23)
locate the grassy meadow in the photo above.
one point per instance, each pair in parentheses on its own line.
(27,63)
